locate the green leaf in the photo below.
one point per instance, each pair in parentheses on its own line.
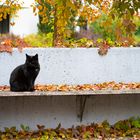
(24,127)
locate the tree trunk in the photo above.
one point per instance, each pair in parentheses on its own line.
(58,35)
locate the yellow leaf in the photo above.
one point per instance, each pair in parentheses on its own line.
(12,23)
(40,7)
(34,9)
(0,15)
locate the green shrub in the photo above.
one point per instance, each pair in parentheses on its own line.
(137,39)
(137,22)
(46,27)
(39,40)
(104,27)
(137,33)
(76,43)
(107,28)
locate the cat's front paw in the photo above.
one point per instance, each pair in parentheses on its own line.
(32,89)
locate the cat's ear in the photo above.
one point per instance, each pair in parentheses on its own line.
(27,56)
(36,56)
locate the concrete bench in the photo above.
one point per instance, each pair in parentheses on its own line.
(68,108)
(72,66)
(72,93)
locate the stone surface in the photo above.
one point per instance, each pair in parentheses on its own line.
(70,93)
(71,66)
(77,66)
(52,110)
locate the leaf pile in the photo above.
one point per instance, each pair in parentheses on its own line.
(89,87)
(85,87)
(4,88)
(10,41)
(129,128)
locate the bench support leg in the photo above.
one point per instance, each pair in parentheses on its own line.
(81,103)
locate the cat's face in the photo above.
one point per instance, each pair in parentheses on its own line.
(32,61)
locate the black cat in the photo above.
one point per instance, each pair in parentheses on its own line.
(23,77)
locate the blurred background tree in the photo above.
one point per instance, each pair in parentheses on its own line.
(115,20)
(9,7)
(115,17)
(45,27)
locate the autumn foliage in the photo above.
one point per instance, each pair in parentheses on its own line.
(9,7)
(89,10)
(122,130)
(10,41)
(64,13)
(85,87)
(89,87)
